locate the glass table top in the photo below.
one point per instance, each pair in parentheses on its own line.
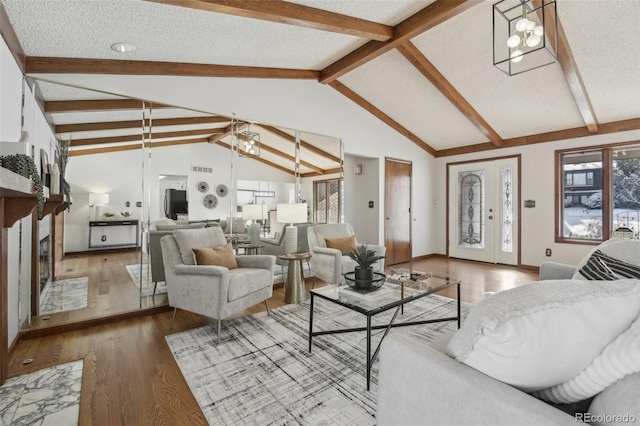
(393,293)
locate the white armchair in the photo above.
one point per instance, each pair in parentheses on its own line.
(213,291)
(329,264)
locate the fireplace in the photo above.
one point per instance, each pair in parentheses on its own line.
(45,262)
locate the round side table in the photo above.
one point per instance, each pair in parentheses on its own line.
(294,288)
(250,249)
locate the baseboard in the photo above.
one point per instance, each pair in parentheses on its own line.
(103,251)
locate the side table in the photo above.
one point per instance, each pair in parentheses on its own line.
(250,248)
(294,288)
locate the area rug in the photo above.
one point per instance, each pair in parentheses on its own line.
(50,396)
(147,285)
(262,373)
(65,295)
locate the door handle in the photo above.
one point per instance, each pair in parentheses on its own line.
(490,217)
(388,218)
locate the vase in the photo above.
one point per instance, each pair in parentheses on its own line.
(363,278)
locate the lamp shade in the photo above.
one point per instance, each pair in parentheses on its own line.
(254,211)
(95,198)
(292,213)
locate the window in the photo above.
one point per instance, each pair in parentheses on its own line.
(328,196)
(599,197)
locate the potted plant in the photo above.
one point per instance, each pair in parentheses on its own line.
(363,273)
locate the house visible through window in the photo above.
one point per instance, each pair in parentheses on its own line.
(600,194)
(328,196)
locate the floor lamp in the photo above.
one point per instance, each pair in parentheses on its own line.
(291,213)
(254,212)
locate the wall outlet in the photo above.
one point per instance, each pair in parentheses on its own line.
(548,252)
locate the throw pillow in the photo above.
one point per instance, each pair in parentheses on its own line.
(618,248)
(345,244)
(618,359)
(188,239)
(545,333)
(218,256)
(599,266)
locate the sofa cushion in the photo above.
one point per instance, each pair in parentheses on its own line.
(218,256)
(625,250)
(618,359)
(599,266)
(188,239)
(171,227)
(344,244)
(545,333)
(617,404)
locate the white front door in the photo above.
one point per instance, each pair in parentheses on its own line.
(483,211)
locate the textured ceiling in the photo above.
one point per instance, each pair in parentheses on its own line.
(460,48)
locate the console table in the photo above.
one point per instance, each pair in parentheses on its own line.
(124,225)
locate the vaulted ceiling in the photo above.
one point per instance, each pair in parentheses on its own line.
(422,67)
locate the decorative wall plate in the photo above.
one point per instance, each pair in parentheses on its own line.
(222,190)
(203,186)
(210,201)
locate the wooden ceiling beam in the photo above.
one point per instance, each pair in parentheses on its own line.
(381,116)
(432,15)
(104,150)
(259,159)
(133,138)
(577,132)
(422,64)
(286,156)
(132,124)
(303,144)
(571,73)
(44,65)
(11,39)
(84,105)
(292,14)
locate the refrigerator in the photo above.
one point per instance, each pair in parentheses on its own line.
(175,202)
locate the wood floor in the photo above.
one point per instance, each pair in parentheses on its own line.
(131,378)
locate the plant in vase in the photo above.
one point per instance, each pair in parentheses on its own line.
(363,273)
(24,166)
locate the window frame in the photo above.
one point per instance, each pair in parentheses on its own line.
(607,190)
(326,182)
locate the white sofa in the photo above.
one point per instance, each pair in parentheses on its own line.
(421,385)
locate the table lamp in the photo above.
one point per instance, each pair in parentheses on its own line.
(254,212)
(98,201)
(291,213)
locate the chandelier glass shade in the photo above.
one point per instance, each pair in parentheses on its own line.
(525,35)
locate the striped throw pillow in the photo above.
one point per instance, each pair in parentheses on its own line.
(603,267)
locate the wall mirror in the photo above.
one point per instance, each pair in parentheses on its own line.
(126,155)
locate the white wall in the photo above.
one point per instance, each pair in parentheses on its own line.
(359,190)
(537,183)
(40,137)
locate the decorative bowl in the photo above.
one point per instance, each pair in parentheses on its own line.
(365,285)
(126,214)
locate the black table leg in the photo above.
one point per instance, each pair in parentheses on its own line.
(368,351)
(458,293)
(310,322)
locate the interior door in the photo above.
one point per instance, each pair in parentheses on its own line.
(397,207)
(483,211)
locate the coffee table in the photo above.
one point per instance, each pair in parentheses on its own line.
(389,296)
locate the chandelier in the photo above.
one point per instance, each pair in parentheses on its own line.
(249,143)
(525,35)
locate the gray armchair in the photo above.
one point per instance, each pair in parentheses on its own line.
(213,291)
(276,246)
(330,264)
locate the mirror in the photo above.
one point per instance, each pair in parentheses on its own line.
(119,183)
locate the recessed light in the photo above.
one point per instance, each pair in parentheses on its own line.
(123,47)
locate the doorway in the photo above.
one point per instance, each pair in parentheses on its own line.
(397,210)
(483,210)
